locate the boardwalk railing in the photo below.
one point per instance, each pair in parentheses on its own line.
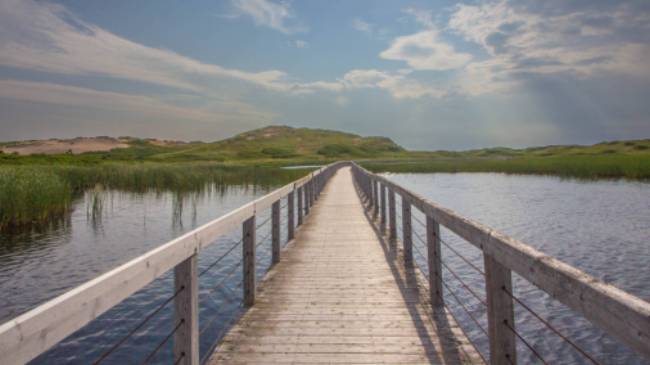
(616,312)
(29,335)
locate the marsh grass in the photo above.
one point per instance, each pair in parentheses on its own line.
(30,195)
(635,167)
(34,194)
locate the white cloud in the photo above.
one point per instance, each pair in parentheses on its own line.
(398,84)
(268,14)
(422,17)
(581,42)
(300,44)
(46,37)
(72,96)
(361,25)
(425,51)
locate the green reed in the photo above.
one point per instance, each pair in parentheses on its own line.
(577,166)
(35,193)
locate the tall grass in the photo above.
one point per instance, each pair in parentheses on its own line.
(35,194)
(578,166)
(29,195)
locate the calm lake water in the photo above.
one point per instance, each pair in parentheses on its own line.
(105,230)
(600,227)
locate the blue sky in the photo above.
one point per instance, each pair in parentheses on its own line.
(429,74)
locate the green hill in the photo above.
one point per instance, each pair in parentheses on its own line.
(281,142)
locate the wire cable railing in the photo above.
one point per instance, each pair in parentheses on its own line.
(153,353)
(526,343)
(517,300)
(215,262)
(461,303)
(136,328)
(551,327)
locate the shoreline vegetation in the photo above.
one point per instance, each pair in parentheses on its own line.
(34,194)
(35,188)
(579,167)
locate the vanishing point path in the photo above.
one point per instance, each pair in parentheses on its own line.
(341,294)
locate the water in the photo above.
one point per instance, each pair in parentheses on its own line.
(600,227)
(106,229)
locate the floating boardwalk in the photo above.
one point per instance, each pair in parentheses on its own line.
(344,290)
(340,295)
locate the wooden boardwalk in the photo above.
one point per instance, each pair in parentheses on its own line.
(342,295)
(341,292)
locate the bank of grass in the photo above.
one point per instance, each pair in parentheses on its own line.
(608,166)
(34,194)
(31,195)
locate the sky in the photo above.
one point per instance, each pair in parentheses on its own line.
(428,74)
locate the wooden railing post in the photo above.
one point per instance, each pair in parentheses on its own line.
(300,209)
(375,210)
(500,313)
(392,219)
(248,232)
(434,257)
(307,201)
(371,193)
(290,215)
(186,310)
(383,209)
(275,232)
(407,237)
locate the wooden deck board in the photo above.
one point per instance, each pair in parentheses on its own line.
(340,295)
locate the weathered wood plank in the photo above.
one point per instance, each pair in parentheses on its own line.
(186,310)
(338,296)
(500,313)
(434,261)
(275,232)
(248,253)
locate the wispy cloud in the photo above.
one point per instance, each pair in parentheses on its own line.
(300,43)
(269,14)
(46,37)
(520,41)
(361,25)
(398,84)
(72,96)
(425,51)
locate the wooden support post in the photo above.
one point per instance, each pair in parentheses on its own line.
(300,210)
(373,196)
(407,236)
(275,232)
(375,210)
(392,219)
(383,209)
(290,215)
(311,193)
(248,232)
(500,313)
(186,309)
(307,201)
(434,258)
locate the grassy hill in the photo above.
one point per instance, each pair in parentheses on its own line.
(270,145)
(281,142)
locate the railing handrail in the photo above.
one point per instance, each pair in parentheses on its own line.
(619,313)
(32,333)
